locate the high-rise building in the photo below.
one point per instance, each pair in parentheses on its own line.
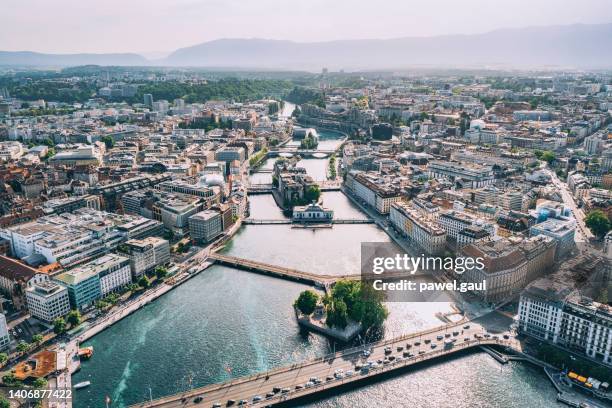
(148,100)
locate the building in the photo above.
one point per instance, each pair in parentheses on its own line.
(505,269)
(312,213)
(421,230)
(548,312)
(464,175)
(472,234)
(96,279)
(373,190)
(562,231)
(47,301)
(146,254)
(83,287)
(453,222)
(230,153)
(5,339)
(205,226)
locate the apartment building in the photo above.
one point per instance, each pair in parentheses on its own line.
(549,312)
(373,190)
(453,222)
(420,229)
(505,269)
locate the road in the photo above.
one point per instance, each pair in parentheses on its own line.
(583,234)
(298,375)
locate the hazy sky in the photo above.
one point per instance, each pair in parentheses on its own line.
(69,26)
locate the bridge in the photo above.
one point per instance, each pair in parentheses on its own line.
(327,185)
(321,280)
(289,384)
(254,221)
(288,152)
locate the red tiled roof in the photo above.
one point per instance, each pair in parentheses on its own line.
(15,270)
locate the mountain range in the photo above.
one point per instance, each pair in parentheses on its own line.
(568,46)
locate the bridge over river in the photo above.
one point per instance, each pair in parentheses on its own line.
(287,385)
(321,280)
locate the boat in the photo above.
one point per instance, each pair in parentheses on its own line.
(86,352)
(82,385)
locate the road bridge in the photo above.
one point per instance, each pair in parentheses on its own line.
(286,385)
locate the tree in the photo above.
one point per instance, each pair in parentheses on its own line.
(108,141)
(598,223)
(4,403)
(144,282)
(10,379)
(337,314)
(312,193)
(3,358)
(307,302)
(40,383)
(37,339)
(59,325)
(22,347)
(548,157)
(74,318)
(161,272)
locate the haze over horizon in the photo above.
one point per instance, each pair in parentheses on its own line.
(154,28)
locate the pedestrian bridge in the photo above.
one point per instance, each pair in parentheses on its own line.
(254,221)
(321,280)
(287,385)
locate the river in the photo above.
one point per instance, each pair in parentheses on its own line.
(226,323)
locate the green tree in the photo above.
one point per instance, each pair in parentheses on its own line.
(4,402)
(144,282)
(108,141)
(40,383)
(307,302)
(59,325)
(10,379)
(312,193)
(161,272)
(598,223)
(548,157)
(37,339)
(337,314)
(3,358)
(74,318)
(22,347)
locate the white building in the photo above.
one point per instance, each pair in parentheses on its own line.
(5,339)
(47,301)
(466,175)
(421,230)
(375,192)
(113,271)
(10,151)
(146,254)
(312,213)
(547,312)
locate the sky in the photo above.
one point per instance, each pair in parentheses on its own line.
(153,27)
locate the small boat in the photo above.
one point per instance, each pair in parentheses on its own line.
(82,385)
